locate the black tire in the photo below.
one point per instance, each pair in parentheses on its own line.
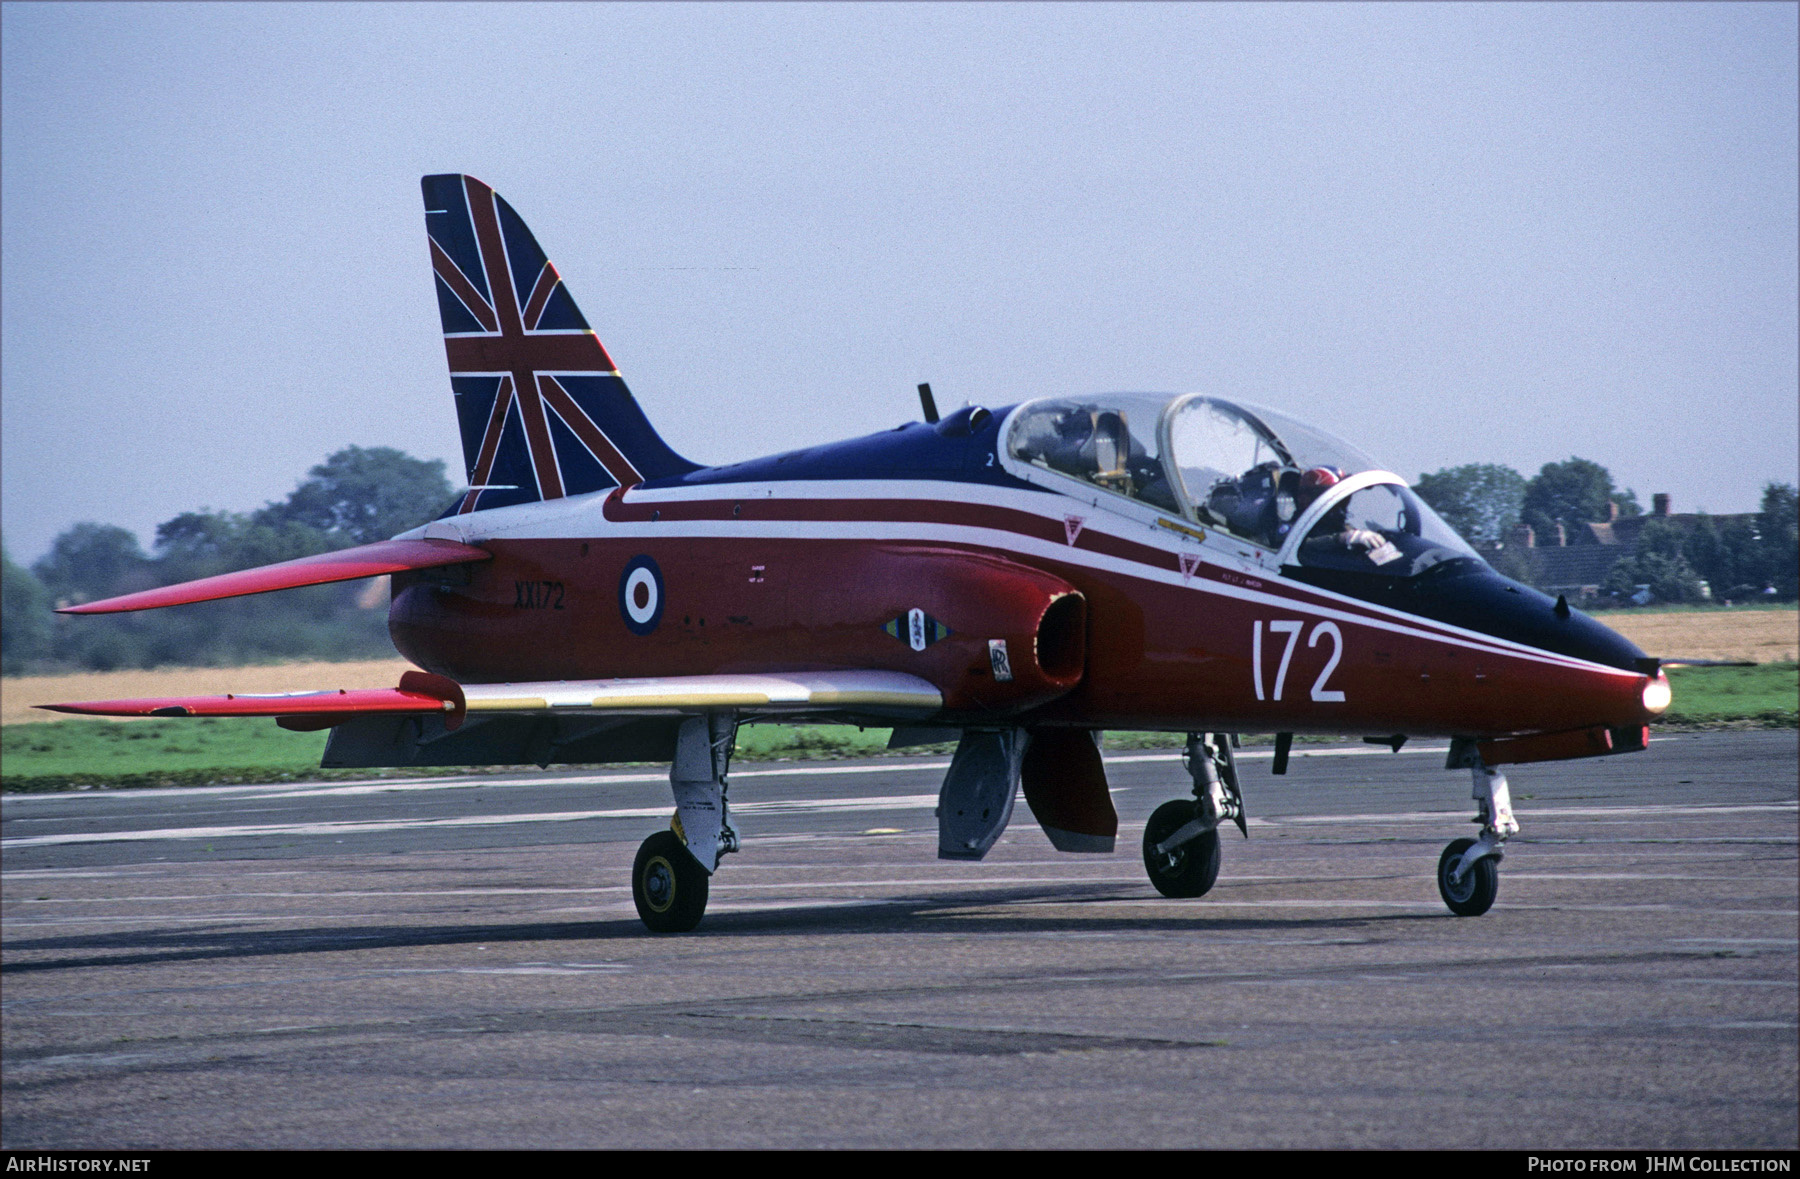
(1479,886)
(668,885)
(1191,869)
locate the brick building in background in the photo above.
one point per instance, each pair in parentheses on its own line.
(1576,561)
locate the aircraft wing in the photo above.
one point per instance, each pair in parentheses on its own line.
(885,693)
(368,560)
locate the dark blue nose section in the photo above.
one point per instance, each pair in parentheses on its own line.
(1468,593)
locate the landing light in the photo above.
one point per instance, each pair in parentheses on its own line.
(1657,695)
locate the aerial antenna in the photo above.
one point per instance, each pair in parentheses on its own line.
(930,406)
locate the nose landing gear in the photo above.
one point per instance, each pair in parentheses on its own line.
(1468,873)
(1181,841)
(1473,893)
(1188,869)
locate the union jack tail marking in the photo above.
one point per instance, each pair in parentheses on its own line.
(542,408)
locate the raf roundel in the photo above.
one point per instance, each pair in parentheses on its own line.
(641,595)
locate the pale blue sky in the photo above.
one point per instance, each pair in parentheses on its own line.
(1449,234)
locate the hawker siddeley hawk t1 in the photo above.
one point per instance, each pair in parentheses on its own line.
(1016,580)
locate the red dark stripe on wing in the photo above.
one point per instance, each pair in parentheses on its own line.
(369,560)
(346,701)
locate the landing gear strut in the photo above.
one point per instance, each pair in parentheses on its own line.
(1468,872)
(1181,841)
(669,877)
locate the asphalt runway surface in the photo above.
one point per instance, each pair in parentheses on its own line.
(456,963)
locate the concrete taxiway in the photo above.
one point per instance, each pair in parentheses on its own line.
(456,962)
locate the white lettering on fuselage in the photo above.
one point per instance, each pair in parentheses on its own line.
(1292,628)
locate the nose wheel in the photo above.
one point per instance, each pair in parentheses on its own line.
(1181,841)
(1473,893)
(1468,872)
(668,885)
(1189,869)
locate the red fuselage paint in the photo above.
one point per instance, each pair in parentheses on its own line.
(1141,639)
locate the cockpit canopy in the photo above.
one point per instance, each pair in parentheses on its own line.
(1256,474)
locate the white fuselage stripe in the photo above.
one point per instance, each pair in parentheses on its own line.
(578,521)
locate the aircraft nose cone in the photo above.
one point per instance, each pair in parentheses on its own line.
(1483,600)
(1588,638)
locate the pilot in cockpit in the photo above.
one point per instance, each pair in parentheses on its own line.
(1259,504)
(1334,533)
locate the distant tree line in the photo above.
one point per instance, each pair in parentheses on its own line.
(355,496)
(1739,557)
(360,495)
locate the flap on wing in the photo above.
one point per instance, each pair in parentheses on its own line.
(884,693)
(821,691)
(369,560)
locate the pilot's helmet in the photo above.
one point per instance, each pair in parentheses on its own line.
(1315,483)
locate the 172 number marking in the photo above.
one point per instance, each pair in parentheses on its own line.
(1291,627)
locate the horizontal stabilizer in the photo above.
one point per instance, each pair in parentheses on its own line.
(369,560)
(881,693)
(410,697)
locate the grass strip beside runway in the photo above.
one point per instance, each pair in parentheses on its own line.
(1767,696)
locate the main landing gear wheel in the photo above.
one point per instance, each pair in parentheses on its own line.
(1189,870)
(1474,894)
(668,885)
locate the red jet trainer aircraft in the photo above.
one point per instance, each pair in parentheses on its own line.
(1017,580)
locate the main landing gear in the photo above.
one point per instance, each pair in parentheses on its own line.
(1468,873)
(1181,841)
(669,879)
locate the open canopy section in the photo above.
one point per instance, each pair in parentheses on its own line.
(1256,474)
(1251,471)
(1236,468)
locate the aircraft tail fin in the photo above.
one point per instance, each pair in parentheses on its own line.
(541,407)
